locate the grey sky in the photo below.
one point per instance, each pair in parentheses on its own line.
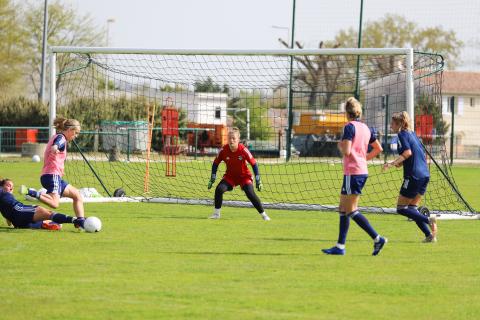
(247,24)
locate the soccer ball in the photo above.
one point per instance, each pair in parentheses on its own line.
(36,158)
(92,224)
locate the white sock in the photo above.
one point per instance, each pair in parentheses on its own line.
(216,211)
(263,213)
(377,239)
(340,246)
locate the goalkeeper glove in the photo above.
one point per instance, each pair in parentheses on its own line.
(210,183)
(259,184)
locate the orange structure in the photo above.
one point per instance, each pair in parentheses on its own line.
(320,123)
(424,127)
(216,135)
(170,138)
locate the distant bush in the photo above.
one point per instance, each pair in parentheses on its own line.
(21,111)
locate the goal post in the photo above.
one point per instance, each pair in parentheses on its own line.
(217,89)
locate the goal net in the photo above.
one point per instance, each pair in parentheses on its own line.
(153,120)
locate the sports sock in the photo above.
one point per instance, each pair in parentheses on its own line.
(61,218)
(363,223)
(412,213)
(343,228)
(33,193)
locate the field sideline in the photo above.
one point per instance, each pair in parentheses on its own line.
(157,261)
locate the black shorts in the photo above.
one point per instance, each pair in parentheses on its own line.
(411,186)
(22,215)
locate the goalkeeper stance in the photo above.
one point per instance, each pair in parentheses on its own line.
(236,155)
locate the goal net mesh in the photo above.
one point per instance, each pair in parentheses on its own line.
(289,109)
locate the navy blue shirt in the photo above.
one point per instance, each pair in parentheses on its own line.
(60,142)
(416,165)
(349,133)
(7,204)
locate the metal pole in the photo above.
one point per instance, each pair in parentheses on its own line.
(53,93)
(290,93)
(359,45)
(248,124)
(44,52)
(409,87)
(111,20)
(385,140)
(452,132)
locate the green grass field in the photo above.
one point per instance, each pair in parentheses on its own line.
(156,261)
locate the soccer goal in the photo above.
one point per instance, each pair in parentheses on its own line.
(153,120)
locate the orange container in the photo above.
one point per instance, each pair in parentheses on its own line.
(25,135)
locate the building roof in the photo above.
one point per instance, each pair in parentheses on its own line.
(460,82)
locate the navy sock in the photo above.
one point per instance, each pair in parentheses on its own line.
(34,193)
(61,218)
(343,230)
(412,213)
(363,223)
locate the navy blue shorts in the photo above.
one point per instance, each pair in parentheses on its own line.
(354,184)
(53,183)
(411,187)
(22,215)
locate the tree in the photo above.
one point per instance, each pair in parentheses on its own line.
(396,31)
(65,27)
(260,126)
(209,86)
(321,74)
(12,46)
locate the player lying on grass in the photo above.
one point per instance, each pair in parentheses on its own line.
(236,155)
(354,147)
(415,175)
(26,216)
(53,169)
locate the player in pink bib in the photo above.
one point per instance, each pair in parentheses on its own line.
(354,148)
(53,170)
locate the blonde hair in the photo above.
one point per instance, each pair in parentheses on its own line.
(234,130)
(353,108)
(63,124)
(402,119)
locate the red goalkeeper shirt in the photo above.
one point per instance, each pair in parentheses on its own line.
(236,161)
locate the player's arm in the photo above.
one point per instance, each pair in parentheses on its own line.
(345,144)
(258,180)
(405,153)
(213,174)
(375,144)
(58,144)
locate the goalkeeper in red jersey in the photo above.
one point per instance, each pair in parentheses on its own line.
(236,155)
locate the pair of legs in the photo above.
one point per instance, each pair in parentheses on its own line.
(53,200)
(408,207)
(348,208)
(224,186)
(26,216)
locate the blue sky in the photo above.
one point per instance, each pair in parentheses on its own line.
(247,24)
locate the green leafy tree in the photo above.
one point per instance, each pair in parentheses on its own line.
(12,47)
(396,31)
(65,27)
(260,126)
(209,86)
